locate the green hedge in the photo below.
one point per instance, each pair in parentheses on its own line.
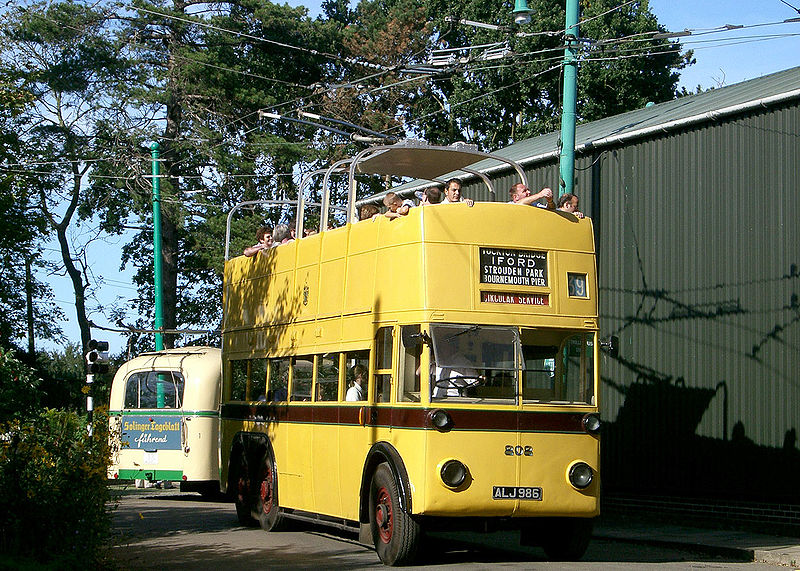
(53,493)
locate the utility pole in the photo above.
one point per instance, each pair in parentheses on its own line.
(566,164)
(157,298)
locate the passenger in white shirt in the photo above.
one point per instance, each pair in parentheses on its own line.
(356,391)
(452,193)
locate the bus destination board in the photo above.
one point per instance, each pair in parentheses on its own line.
(515,298)
(513,267)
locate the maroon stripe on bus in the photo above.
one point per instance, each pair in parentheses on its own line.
(463,419)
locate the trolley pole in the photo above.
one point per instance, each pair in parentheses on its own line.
(568,110)
(157,298)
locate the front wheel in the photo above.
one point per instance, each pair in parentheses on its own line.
(268,511)
(394,532)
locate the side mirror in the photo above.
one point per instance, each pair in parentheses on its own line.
(611,346)
(412,337)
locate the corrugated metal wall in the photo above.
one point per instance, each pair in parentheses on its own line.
(699,263)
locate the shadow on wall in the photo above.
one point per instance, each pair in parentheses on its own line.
(653,448)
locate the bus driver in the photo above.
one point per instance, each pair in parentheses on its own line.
(456,372)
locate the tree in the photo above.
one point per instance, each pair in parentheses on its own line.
(64,59)
(206,75)
(24,301)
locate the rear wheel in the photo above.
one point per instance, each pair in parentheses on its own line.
(394,532)
(243,493)
(566,539)
(267,509)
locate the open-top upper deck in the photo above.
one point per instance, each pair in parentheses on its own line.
(490,263)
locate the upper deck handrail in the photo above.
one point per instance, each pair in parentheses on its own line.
(338,166)
(264,202)
(403,166)
(324,206)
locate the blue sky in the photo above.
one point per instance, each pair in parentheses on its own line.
(723,58)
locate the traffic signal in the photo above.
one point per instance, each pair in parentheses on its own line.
(97,357)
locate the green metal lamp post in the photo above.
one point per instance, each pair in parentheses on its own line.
(566,165)
(157,297)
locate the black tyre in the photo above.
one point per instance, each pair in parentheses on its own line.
(242,491)
(268,510)
(566,539)
(395,534)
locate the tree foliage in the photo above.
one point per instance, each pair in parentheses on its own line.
(53,492)
(19,388)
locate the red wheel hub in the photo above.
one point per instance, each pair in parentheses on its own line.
(383,515)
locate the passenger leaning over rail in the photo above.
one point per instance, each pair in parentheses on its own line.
(396,206)
(521,194)
(431,195)
(452,193)
(263,242)
(281,235)
(368,211)
(569,203)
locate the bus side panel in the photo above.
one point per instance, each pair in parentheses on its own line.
(356,443)
(325,461)
(228,429)
(292,446)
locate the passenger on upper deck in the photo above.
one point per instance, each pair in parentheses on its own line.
(263,242)
(281,235)
(396,206)
(521,194)
(569,203)
(431,195)
(452,193)
(356,391)
(368,211)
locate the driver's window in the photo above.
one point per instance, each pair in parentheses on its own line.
(474,362)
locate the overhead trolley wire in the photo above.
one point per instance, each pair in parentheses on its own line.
(260,39)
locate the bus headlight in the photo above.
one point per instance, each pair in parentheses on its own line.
(581,475)
(440,420)
(591,423)
(453,473)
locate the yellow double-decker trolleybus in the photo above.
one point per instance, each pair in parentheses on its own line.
(434,371)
